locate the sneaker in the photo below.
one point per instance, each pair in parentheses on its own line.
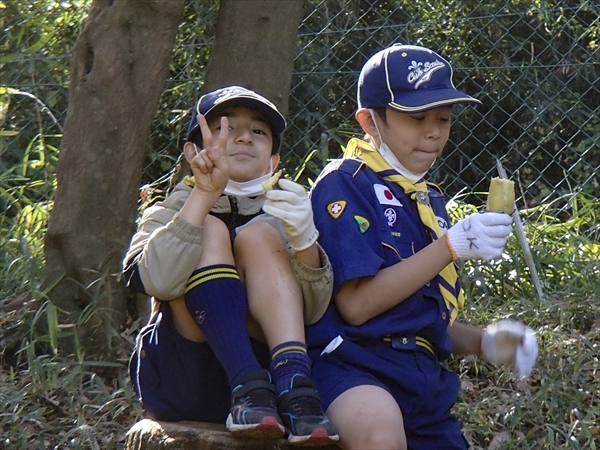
(253,411)
(303,416)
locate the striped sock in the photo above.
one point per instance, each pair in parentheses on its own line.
(217,301)
(288,359)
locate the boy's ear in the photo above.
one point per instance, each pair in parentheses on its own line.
(275,159)
(189,151)
(365,120)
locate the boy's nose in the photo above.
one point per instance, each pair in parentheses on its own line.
(433,131)
(243,135)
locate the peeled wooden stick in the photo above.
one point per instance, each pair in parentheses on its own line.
(522,240)
(501,196)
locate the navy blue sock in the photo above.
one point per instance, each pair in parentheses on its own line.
(216,299)
(288,359)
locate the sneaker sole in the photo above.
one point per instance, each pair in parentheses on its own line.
(318,438)
(268,428)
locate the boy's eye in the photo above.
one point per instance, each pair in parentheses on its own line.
(259,131)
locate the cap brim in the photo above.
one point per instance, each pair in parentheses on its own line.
(423,100)
(274,118)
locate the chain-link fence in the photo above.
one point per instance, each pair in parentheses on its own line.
(536,69)
(534,65)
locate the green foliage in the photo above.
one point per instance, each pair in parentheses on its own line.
(59,403)
(557,408)
(38,39)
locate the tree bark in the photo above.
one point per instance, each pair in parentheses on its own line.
(255,46)
(118,69)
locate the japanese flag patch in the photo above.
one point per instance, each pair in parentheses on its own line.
(385,196)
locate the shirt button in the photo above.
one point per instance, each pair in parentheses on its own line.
(142,353)
(444,316)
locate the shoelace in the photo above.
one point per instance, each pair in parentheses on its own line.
(260,397)
(306,406)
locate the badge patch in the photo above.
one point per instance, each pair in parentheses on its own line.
(363,224)
(335,209)
(390,215)
(442,223)
(385,196)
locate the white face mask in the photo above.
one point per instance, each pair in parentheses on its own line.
(250,188)
(391,159)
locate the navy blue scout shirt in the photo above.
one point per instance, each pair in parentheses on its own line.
(366,224)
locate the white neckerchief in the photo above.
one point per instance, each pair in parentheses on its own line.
(391,159)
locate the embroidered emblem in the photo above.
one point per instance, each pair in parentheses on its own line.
(422,197)
(385,196)
(419,72)
(442,223)
(280,364)
(363,224)
(335,209)
(396,234)
(227,93)
(390,215)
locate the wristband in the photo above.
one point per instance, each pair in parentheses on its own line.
(453,254)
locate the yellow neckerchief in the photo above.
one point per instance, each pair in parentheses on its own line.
(189,180)
(418,193)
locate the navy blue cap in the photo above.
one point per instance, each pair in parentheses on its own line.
(213,103)
(408,79)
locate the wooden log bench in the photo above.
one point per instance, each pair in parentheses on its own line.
(152,435)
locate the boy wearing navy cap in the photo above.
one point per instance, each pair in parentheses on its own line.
(220,246)
(377,350)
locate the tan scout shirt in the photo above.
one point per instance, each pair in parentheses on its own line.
(167,249)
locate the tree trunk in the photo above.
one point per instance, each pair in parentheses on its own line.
(255,45)
(118,69)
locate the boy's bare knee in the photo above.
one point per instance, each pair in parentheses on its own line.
(215,227)
(373,438)
(378,439)
(216,243)
(258,237)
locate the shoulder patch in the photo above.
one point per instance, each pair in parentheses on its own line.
(335,209)
(363,224)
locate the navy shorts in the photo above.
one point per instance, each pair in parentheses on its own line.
(178,379)
(424,390)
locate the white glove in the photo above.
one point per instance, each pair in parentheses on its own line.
(291,204)
(510,343)
(479,236)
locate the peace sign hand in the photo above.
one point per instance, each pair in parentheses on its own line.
(210,167)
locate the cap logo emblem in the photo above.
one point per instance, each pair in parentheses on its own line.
(230,92)
(236,91)
(421,72)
